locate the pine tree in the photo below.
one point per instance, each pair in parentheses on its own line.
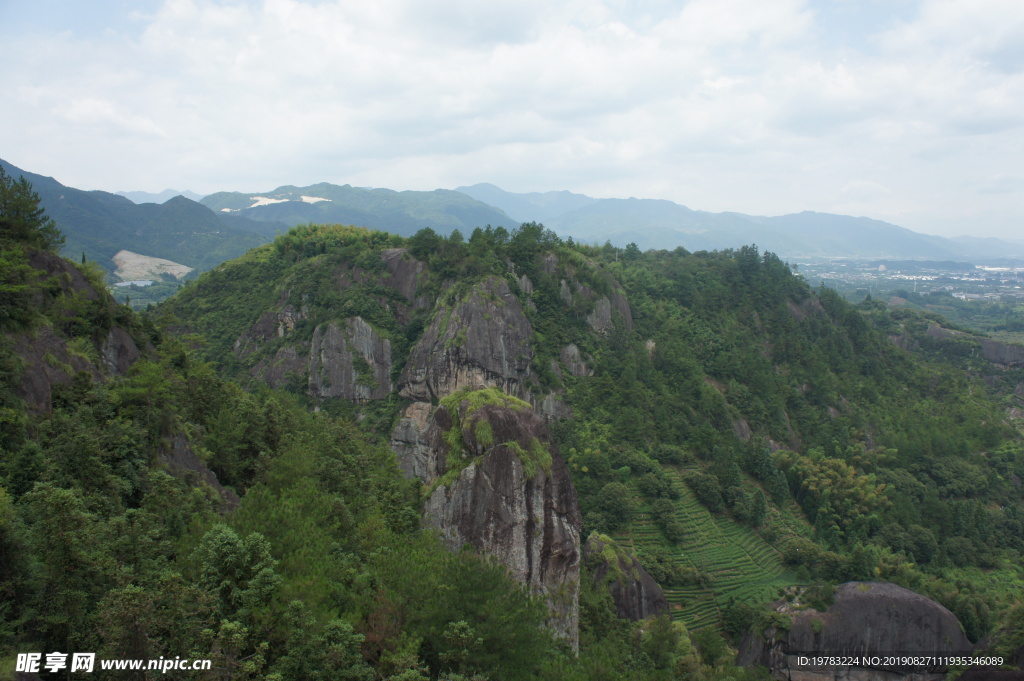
(22,219)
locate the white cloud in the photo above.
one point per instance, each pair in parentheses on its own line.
(719,104)
(96,116)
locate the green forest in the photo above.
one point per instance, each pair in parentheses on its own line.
(740,433)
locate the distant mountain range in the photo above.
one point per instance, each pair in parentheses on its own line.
(161,197)
(403,213)
(652,223)
(224,225)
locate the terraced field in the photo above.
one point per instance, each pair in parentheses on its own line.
(735,560)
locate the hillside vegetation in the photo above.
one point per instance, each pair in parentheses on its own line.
(217,479)
(791,412)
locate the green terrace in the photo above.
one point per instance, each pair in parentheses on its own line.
(735,561)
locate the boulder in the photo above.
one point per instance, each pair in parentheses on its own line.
(866,619)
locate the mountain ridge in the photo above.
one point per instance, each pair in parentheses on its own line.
(100,224)
(659,223)
(399,212)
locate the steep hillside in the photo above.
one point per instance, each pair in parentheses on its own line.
(101,224)
(300,558)
(813,446)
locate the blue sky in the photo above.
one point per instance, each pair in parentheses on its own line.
(910,111)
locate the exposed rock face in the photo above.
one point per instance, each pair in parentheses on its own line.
(867,618)
(68,277)
(941,333)
(183,462)
(513,500)
(404,274)
(1002,353)
(572,359)
(119,351)
(47,364)
(621,305)
(809,307)
(270,325)
(413,445)
(601,318)
(349,360)
(290,363)
(994,351)
(635,593)
(550,406)
(564,293)
(483,340)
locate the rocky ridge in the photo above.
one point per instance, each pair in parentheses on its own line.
(483,339)
(511,497)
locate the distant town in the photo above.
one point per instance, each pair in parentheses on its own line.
(856,279)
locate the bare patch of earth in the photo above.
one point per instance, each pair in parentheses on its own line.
(132,266)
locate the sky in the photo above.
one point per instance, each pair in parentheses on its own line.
(910,111)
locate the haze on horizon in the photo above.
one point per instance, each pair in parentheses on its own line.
(909,111)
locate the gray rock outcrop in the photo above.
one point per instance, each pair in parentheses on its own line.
(270,325)
(404,275)
(1002,353)
(512,499)
(118,351)
(635,593)
(412,444)
(349,360)
(290,363)
(601,320)
(182,461)
(866,618)
(481,340)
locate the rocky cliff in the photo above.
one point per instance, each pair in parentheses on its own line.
(635,593)
(482,339)
(866,618)
(998,352)
(496,482)
(349,360)
(473,335)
